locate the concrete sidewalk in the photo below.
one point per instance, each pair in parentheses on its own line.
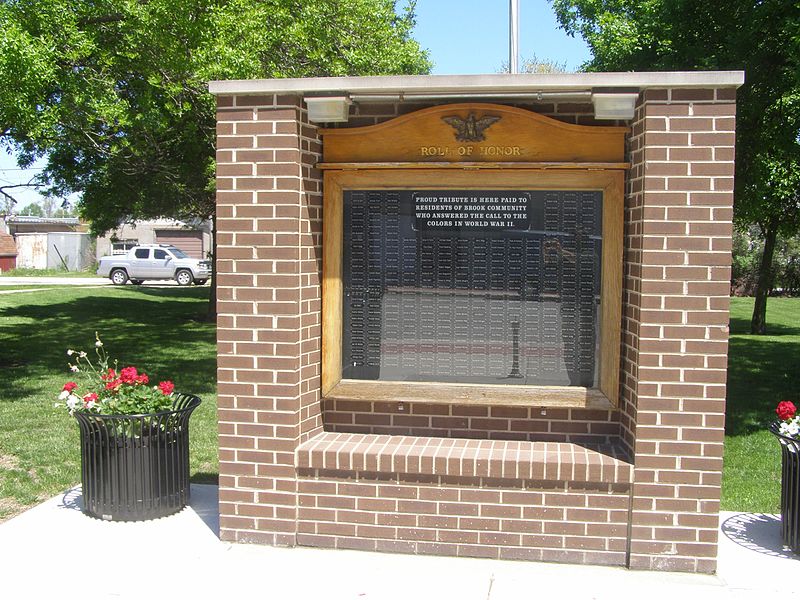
(55,551)
(48,281)
(42,283)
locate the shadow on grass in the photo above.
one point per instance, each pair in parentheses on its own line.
(741,326)
(200,477)
(155,329)
(762,370)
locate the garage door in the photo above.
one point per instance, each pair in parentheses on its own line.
(189,241)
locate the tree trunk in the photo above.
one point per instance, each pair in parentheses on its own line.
(211,315)
(758,324)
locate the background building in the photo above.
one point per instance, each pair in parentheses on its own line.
(194,239)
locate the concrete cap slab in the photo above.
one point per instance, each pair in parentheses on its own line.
(498,83)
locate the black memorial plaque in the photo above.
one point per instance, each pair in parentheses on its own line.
(475,210)
(472,303)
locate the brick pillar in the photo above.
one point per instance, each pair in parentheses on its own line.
(269,211)
(677,273)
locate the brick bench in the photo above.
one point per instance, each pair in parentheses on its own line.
(550,501)
(496,459)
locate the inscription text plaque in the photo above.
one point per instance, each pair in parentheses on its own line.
(436,209)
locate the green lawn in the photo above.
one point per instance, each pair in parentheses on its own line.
(762,370)
(157,330)
(154,329)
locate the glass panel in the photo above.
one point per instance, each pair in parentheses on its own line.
(472,286)
(159,254)
(142,253)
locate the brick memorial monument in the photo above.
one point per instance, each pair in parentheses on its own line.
(476,315)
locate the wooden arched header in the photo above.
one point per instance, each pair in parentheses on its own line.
(474,133)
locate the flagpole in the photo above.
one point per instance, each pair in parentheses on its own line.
(513,46)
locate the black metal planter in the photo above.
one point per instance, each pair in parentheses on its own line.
(136,467)
(790,489)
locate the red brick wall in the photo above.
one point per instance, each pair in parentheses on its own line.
(268,334)
(497,499)
(677,273)
(273,487)
(579,426)
(523,519)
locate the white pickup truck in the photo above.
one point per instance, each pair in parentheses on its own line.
(154,261)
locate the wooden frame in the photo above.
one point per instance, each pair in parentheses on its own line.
(610,181)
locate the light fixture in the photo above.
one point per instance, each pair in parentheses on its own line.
(332,109)
(614,105)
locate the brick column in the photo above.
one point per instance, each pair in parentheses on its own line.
(269,211)
(677,273)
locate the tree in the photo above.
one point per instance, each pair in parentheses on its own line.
(7,203)
(33,209)
(763,38)
(64,210)
(748,251)
(114,92)
(534,64)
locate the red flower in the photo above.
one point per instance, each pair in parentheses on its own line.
(142,379)
(113,385)
(128,375)
(166,387)
(110,376)
(786,410)
(69,386)
(90,397)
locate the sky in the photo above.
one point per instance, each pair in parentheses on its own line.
(462,36)
(10,173)
(471,36)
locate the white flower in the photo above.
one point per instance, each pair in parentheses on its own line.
(70,352)
(90,404)
(63,395)
(72,401)
(791,428)
(74,368)
(82,355)
(98,344)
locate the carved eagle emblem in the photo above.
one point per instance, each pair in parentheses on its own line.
(470,129)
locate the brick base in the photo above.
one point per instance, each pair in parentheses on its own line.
(478,517)
(480,498)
